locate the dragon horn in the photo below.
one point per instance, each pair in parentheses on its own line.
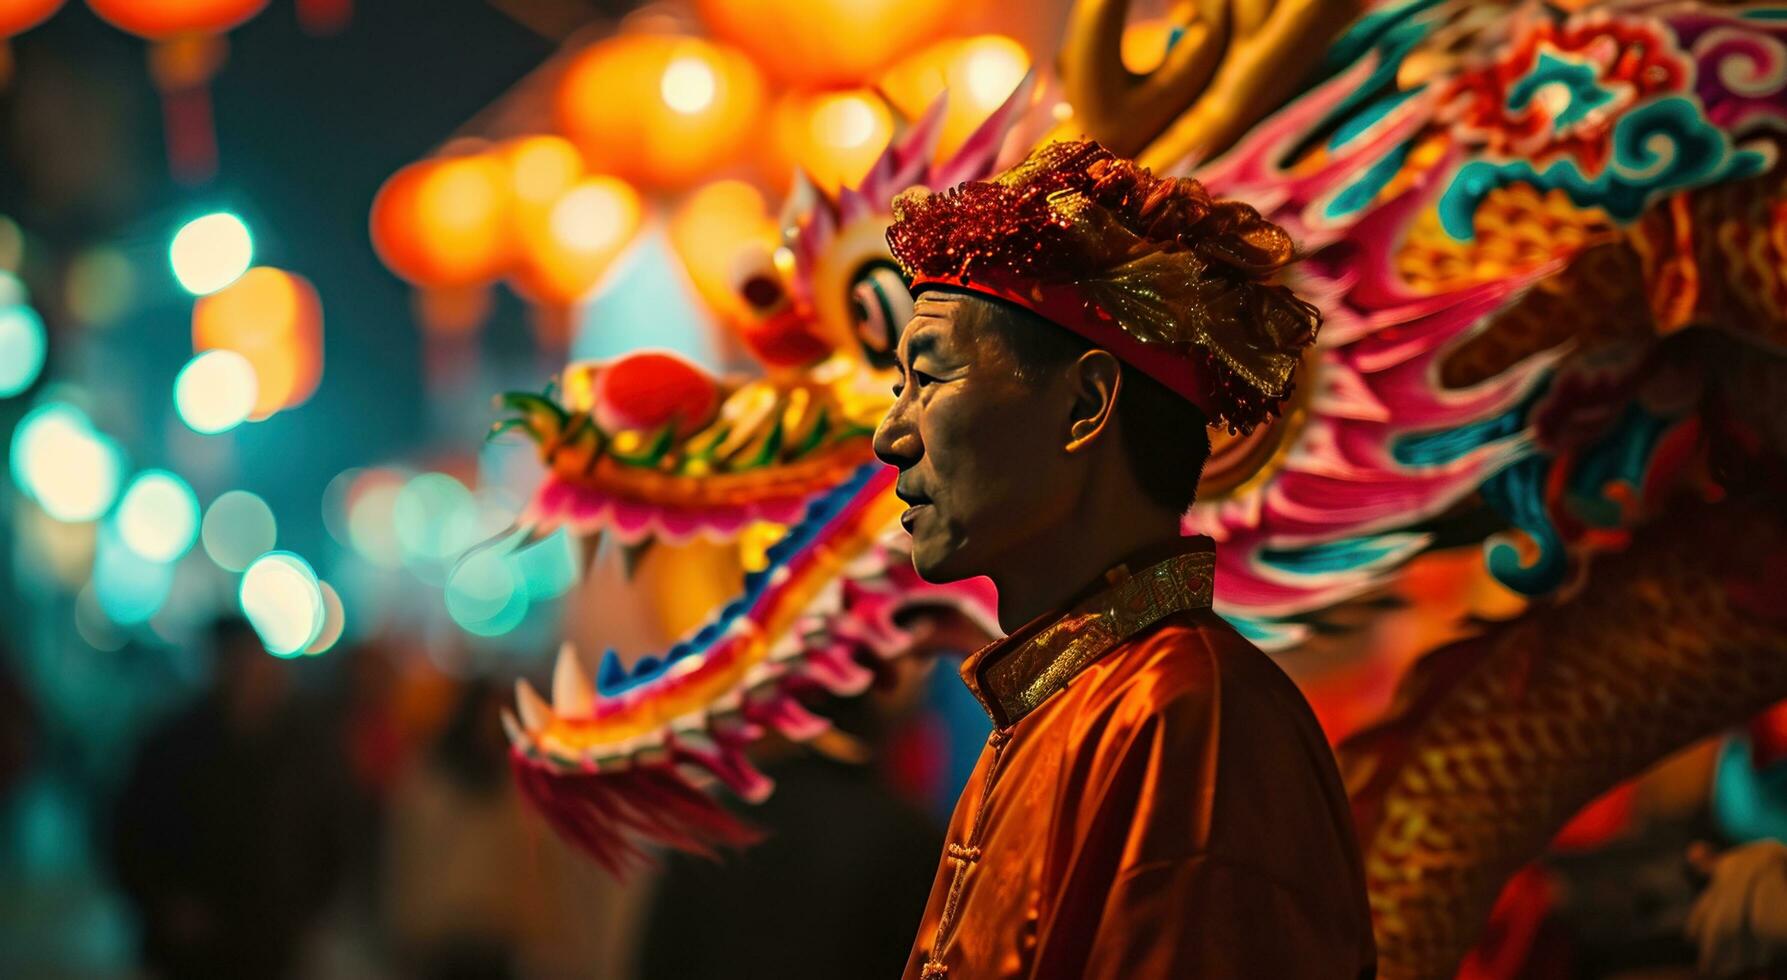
(1114,105)
(903,162)
(978,157)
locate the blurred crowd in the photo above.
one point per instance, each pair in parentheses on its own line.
(358,819)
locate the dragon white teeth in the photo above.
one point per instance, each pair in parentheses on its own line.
(536,714)
(787,648)
(512,728)
(693,721)
(696,740)
(829,600)
(762,674)
(573,694)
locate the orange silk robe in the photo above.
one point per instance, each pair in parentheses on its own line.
(1156,801)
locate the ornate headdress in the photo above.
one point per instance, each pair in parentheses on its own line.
(1173,282)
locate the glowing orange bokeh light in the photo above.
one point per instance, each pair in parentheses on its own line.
(712,229)
(567,247)
(275,320)
(660,110)
(22,15)
(977,72)
(162,19)
(834,136)
(445,222)
(540,168)
(800,41)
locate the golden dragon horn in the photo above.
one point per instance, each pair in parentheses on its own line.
(1235,62)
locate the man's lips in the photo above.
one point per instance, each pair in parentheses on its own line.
(910,514)
(912,497)
(915,502)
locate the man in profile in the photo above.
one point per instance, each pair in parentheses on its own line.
(1156,799)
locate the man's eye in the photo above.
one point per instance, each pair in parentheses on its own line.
(919,378)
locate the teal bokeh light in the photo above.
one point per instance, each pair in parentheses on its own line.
(64,464)
(486,594)
(238,528)
(130,588)
(23,347)
(284,602)
(158,516)
(210,252)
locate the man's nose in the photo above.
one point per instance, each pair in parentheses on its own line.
(896,439)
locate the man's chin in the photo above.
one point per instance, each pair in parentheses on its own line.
(938,565)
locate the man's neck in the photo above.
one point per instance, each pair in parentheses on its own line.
(1052,572)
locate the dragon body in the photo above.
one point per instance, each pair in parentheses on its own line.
(1549,244)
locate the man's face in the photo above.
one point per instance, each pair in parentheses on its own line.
(980,451)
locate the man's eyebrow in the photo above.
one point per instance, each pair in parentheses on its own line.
(922,342)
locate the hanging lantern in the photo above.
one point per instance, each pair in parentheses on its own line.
(978,73)
(275,320)
(797,41)
(711,230)
(188,50)
(445,222)
(540,169)
(569,244)
(660,110)
(17,17)
(835,137)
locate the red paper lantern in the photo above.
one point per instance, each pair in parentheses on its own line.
(19,16)
(187,54)
(660,110)
(159,20)
(445,222)
(801,41)
(567,246)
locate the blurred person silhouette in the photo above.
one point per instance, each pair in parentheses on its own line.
(461,898)
(841,872)
(18,723)
(228,835)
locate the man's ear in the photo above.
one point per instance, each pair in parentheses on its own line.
(1097,379)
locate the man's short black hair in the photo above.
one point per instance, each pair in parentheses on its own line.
(1164,435)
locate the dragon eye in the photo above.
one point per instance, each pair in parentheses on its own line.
(880,304)
(761,292)
(757,280)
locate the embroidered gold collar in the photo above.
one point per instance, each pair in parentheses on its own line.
(1014,676)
